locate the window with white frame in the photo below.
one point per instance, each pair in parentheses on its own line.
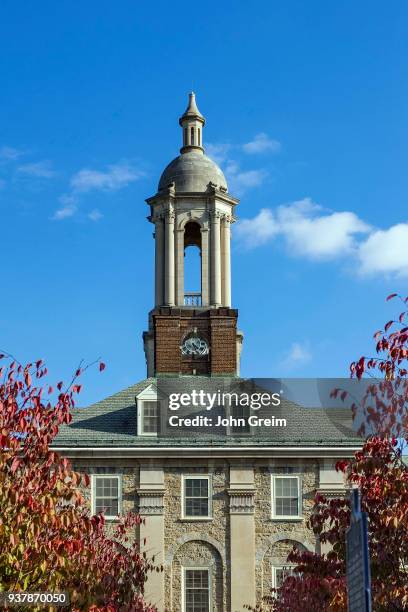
(106,495)
(148,417)
(286,497)
(196,591)
(240,414)
(196,497)
(279,575)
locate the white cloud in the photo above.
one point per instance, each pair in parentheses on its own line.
(258,230)
(313,233)
(95,215)
(385,251)
(115,177)
(306,229)
(240,180)
(9,153)
(299,354)
(40,169)
(65,212)
(261,143)
(68,208)
(218,152)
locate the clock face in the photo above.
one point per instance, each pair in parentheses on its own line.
(194,345)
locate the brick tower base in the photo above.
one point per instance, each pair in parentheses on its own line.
(170,325)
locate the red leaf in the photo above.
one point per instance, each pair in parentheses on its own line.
(388,325)
(102,366)
(14,465)
(391,296)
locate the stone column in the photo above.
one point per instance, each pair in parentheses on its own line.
(159,261)
(215,259)
(331,485)
(169,260)
(242,537)
(205,297)
(226,261)
(179,233)
(151,509)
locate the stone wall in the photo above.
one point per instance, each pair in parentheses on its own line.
(207,543)
(271,532)
(213,533)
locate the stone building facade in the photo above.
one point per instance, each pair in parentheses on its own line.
(222,510)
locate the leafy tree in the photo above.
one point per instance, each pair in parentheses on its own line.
(384,408)
(379,471)
(48,539)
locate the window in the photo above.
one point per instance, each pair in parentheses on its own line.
(241,414)
(199,137)
(196,591)
(196,497)
(185,137)
(192,136)
(148,418)
(106,495)
(280,574)
(286,499)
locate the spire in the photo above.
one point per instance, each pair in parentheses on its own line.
(192,122)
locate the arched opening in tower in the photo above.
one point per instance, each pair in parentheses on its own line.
(192,264)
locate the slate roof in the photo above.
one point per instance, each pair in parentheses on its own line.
(113,422)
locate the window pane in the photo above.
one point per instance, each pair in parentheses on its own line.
(196,591)
(107,495)
(281,574)
(149,417)
(286,496)
(196,507)
(196,497)
(196,487)
(240,412)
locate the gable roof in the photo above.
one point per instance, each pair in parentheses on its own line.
(112,422)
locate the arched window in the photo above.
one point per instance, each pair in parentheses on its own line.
(192,264)
(192,136)
(199,137)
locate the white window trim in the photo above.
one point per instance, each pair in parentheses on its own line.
(297,517)
(279,567)
(140,432)
(183,584)
(183,488)
(230,432)
(93,493)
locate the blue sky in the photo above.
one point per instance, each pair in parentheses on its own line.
(306,113)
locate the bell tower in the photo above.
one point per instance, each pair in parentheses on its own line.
(192,332)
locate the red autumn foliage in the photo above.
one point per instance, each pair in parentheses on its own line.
(379,471)
(384,407)
(48,539)
(319,582)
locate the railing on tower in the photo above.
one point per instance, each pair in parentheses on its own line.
(193,298)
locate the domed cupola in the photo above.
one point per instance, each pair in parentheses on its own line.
(192,327)
(192,171)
